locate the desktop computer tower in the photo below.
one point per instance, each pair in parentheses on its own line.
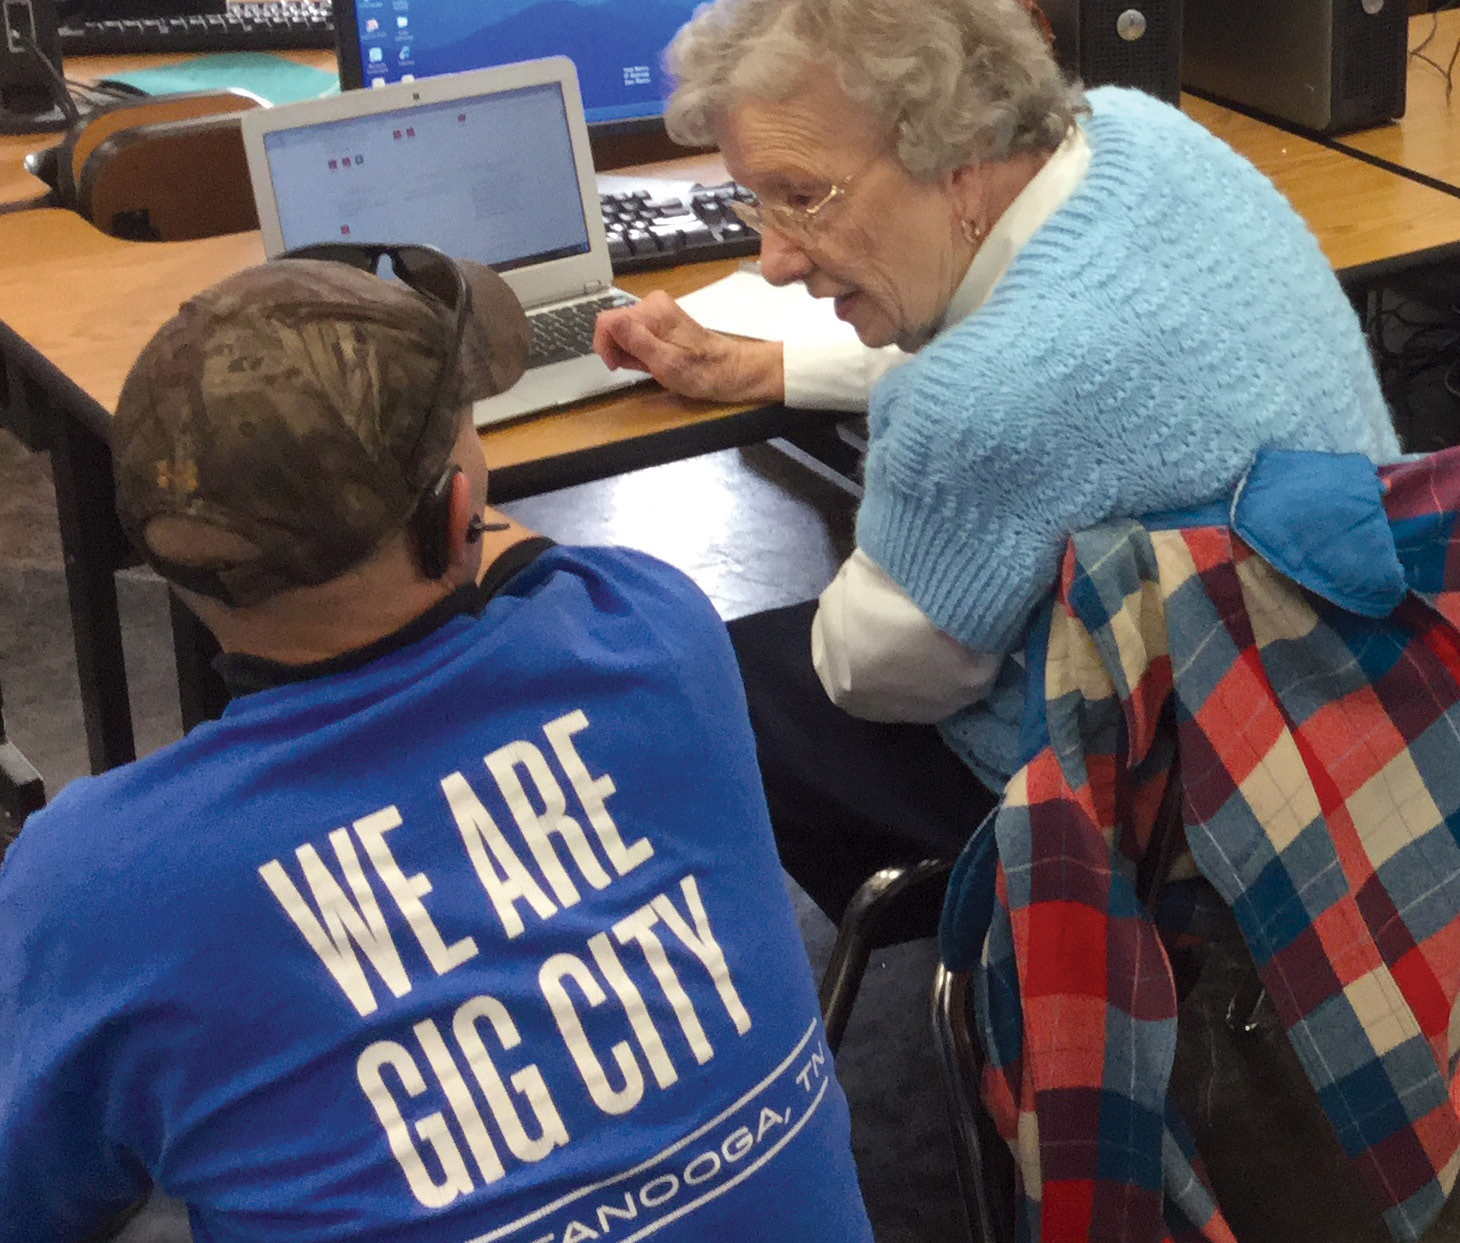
(1322,65)
(1119,42)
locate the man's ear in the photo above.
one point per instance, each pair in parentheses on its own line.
(461,548)
(440,523)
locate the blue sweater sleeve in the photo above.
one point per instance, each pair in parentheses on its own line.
(953,516)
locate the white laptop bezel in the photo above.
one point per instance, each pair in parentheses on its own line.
(534,284)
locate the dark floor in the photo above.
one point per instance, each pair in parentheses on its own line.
(755,530)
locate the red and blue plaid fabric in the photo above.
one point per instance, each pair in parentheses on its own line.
(1320,763)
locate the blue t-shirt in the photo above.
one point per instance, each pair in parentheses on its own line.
(482,939)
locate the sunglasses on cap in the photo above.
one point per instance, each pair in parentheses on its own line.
(424,269)
(436,275)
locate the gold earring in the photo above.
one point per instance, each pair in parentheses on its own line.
(972,232)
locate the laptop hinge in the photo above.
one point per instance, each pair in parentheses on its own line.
(595,287)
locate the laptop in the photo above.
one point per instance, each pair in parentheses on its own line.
(492,165)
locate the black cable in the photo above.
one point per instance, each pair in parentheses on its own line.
(1421,335)
(1430,37)
(97,96)
(1446,71)
(1452,385)
(1414,325)
(1419,331)
(60,93)
(1416,350)
(1441,70)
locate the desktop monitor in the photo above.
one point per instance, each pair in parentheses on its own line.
(616,46)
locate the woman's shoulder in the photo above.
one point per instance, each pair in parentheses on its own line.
(1144,147)
(1115,108)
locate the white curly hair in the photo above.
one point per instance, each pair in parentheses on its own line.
(952,81)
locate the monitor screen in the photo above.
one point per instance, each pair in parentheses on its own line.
(616,45)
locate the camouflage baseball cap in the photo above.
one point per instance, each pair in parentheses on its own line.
(290,406)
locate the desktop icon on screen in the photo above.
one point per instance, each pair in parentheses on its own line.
(377,55)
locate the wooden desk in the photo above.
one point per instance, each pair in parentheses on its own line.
(87,304)
(1425,141)
(16,185)
(77,306)
(1370,222)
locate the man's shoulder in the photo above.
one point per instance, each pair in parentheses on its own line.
(613,582)
(63,862)
(631,571)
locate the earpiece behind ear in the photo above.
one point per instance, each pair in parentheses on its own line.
(432,525)
(478,526)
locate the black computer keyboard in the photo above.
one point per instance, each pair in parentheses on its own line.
(645,232)
(270,25)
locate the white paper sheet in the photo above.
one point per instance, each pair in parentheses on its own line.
(744,304)
(658,187)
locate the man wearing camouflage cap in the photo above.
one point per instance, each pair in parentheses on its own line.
(464,921)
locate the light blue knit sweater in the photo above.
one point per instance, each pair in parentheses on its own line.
(1171,318)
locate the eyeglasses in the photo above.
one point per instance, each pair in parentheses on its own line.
(793,220)
(426,270)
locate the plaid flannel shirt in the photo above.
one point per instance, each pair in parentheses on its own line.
(1318,728)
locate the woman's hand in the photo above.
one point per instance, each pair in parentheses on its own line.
(654,335)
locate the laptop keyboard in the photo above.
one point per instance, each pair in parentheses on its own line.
(567,332)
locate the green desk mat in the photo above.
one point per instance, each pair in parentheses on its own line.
(272,78)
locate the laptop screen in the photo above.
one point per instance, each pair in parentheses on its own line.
(490,178)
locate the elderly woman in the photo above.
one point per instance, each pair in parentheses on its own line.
(1108,313)
(1073,307)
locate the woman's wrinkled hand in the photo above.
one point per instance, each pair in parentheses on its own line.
(654,335)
